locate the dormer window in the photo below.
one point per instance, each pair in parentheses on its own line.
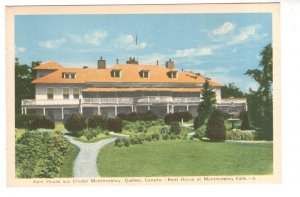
(116,73)
(145,74)
(67,75)
(172,74)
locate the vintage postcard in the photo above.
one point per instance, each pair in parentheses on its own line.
(143,94)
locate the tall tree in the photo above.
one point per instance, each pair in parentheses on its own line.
(231,90)
(24,89)
(208,97)
(260,102)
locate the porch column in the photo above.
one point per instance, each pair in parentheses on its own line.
(132,108)
(80,109)
(22,111)
(168,110)
(187,108)
(99,112)
(25,110)
(148,107)
(44,111)
(172,109)
(62,113)
(116,111)
(135,108)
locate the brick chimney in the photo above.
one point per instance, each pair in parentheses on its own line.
(170,64)
(101,64)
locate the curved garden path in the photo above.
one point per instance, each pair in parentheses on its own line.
(86,161)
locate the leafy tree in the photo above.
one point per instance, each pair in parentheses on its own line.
(260,102)
(206,106)
(231,90)
(216,127)
(24,89)
(175,128)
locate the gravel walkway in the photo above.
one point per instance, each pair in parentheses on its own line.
(86,161)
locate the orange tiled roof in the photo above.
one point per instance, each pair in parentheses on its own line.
(51,65)
(141,89)
(130,73)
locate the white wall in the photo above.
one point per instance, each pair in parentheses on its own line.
(41,90)
(218,94)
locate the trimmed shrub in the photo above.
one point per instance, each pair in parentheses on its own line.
(148,116)
(115,124)
(75,123)
(97,121)
(185,116)
(38,121)
(168,119)
(245,121)
(215,126)
(148,138)
(126,142)
(175,128)
(155,136)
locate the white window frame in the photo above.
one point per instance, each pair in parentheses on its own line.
(114,73)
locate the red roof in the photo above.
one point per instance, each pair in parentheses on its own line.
(130,73)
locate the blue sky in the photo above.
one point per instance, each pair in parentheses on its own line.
(220,46)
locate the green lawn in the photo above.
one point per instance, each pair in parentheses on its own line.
(186,158)
(66,170)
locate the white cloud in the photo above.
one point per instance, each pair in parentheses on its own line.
(128,41)
(20,50)
(193,52)
(244,35)
(224,29)
(51,44)
(92,38)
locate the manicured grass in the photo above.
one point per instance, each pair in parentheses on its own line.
(185,158)
(66,170)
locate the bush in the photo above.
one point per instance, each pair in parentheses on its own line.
(166,136)
(21,120)
(40,154)
(38,121)
(165,130)
(97,121)
(173,137)
(239,135)
(245,121)
(137,139)
(215,126)
(175,128)
(148,138)
(179,116)
(155,136)
(90,133)
(201,132)
(115,124)
(168,119)
(75,124)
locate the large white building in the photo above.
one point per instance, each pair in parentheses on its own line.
(122,88)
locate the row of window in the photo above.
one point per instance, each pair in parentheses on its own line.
(66,93)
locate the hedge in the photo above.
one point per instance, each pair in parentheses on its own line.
(75,123)
(178,117)
(33,122)
(133,117)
